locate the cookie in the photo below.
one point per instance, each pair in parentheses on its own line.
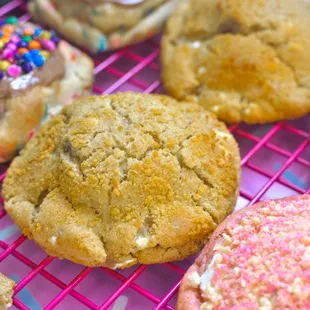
(39,73)
(124,179)
(6,292)
(246,61)
(99,25)
(258,258)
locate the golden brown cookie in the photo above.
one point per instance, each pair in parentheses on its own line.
(6,291)
(124,179)
(243,60)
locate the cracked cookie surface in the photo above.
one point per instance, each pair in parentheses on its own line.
(6,291)
(124,179)
(243,60)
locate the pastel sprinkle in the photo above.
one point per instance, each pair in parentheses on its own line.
(1,75)
(14,71)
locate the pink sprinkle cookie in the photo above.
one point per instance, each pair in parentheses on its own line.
(257,259)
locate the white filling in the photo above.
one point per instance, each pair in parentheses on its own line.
(53,240)
(205,280)
(124,263)
(295,288)
(194,279)
(142,242)
(196,44)
(265,304)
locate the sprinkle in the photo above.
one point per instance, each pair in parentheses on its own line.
(38,60)
(8,29)
(12,46)
(34,51)
(7,54)
(56,40)
(45,54)
(1,75)
(34,45)
(5,39)
(37,32)
(27,67)
(22,51)
(22,44)
(14,71)
(15,38)
(48,45)
(4,65)
(11,20)
(1,45)
(28,32)
(28,56)
(26,38)
(45,35)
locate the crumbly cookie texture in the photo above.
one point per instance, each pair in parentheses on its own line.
(257,259)
(6,291)
(124,179)
(243,60)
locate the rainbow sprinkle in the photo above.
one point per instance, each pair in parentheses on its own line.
(23,48)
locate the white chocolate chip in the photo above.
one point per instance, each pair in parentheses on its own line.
(53,240)
(194,279)
(196,44)
(227,238)
(265,304)
(142,242)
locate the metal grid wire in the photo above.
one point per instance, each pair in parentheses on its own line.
(137,68)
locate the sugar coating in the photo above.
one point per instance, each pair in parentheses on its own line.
(265,261)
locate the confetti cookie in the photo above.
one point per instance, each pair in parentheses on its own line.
(124,179)
(39,73)
(243,60)
(6,291)
(258,258)
(99,25)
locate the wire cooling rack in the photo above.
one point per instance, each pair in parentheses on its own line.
(275,163)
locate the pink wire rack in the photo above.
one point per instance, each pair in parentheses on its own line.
(275,163)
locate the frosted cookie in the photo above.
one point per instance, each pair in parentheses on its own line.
(39,73)
(124,179)
(99,25)
(243,60)
(258,258)
(6,291)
